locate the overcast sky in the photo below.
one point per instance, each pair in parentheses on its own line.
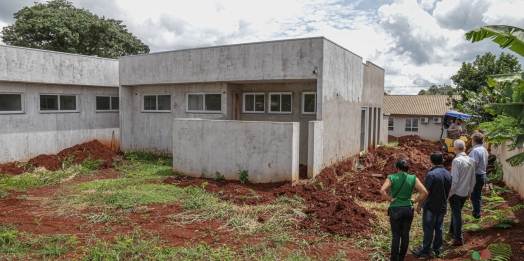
(418,42)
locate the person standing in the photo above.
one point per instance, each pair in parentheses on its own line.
(438,184)
(462,184)
(401,210)
(480,155)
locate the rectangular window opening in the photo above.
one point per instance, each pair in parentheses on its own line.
(309,105)
(11,103)
(411,125)
(390,123)
(280,103)
(156,103)
(204,102)
(107,103)
(254,103)
(58,102)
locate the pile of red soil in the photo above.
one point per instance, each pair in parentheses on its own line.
(330,203)
(413,149)
(94,150)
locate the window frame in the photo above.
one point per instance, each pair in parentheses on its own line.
(304,103)
(411,125)
(392,127)
(157,110)
(77,103)
(110,103)
(204,102)
(280,112)
(254,99)
(22,102)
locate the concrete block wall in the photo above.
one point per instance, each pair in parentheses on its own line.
(18,64)
(275,60)
(153,130)
(296,90)
(28,134)
(512,175)
(33,72)
(269,151)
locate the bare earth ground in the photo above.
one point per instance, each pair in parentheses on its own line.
(341,213)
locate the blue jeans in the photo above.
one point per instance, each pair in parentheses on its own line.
(432,224)
(476,195)
(400,219)
(456,203)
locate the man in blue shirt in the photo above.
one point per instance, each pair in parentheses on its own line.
(438,184)
(480,155)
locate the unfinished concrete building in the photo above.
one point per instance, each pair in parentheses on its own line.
(50,101)
(261,107)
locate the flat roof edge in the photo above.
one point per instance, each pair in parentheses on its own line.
(56,52)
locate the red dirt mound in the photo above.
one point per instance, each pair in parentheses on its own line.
(93,149)
(330,203)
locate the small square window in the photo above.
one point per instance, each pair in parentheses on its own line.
(149,102)
(254,102)
(107,103)
(157,103)
(67,103)
(164,102)
(309,105)
(280,103)
(10,102)
(49,102)
(205,103)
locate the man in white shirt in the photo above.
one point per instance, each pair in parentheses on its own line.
(462,184)
(480,155)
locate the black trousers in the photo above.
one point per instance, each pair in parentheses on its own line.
(400,219)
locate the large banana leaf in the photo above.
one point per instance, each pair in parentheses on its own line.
(504,35)
(513,109)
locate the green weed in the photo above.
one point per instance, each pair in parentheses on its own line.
(243,176)
(219,176)
(91,164)
(38,178)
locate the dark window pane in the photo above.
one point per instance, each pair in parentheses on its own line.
(390,122)
(49,102)
(115,103)
(309,103)
(149,102)
(164,102)
(10,102)
(415,123)
(259,102)
(249,102)
(67,103)
(195,102)
(275,102)
(213,102)
(286,102)
(414,129)
(102,103)
(390,128)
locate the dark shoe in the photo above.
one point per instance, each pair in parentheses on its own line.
(420,255)
(456,243)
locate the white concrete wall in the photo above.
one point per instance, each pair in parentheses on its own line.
(513,176)
(341,93)
(28,134)
(429,131)
(153,130)
(276,60)
(19,64)
(267,150)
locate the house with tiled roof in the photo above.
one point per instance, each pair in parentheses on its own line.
(416,114)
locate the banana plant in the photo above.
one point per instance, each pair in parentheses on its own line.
(509,123)
(504,35)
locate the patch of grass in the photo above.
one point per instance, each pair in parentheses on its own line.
(39,178)
(91,164)
(4,193)
(283,214)
(145,155)
(26,246)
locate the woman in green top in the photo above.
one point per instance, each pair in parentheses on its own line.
(401,206)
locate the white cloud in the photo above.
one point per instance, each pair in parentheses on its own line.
(418,42)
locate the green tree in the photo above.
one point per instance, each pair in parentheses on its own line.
(59,26)
(434,90)
(472,82)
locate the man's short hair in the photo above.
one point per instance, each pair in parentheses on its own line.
(459,120)
(436,158)
(459,144)
(478,138)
